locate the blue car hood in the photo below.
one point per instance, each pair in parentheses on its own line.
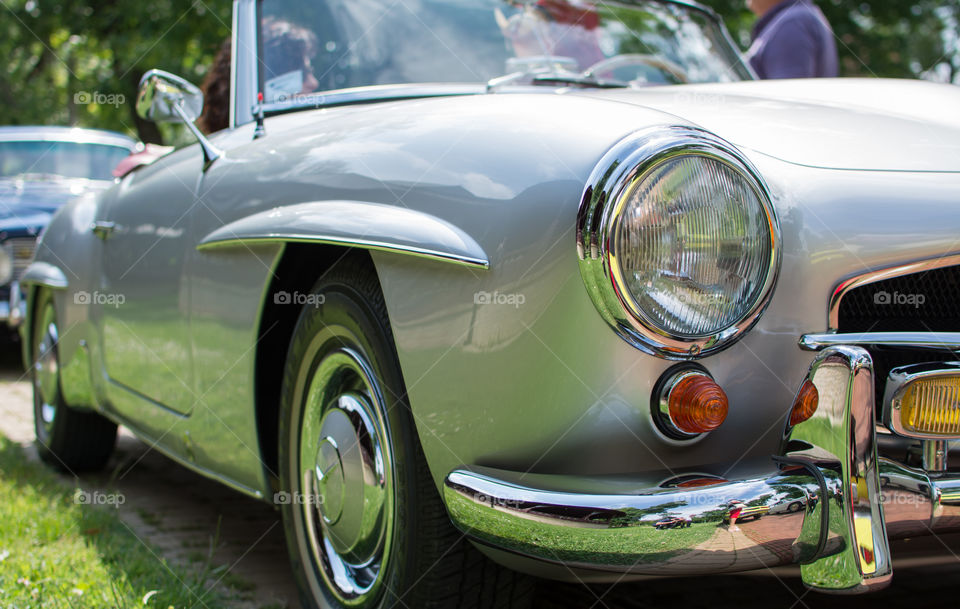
(26,205)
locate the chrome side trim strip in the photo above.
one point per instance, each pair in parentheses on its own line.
(945,341)
(372,226)
(833,313)
(380,246)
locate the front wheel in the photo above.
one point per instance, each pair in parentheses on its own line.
(365,525)
(68,439)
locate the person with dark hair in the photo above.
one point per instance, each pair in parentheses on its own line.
(791,39)
(216,92)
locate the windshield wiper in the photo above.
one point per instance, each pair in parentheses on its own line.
(578,80)
(553,77)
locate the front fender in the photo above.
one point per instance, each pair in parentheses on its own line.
(65,264)
(372,226)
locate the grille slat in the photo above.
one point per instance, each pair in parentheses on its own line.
(21,249)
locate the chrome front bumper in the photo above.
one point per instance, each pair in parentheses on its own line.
(13,310)
(827,502)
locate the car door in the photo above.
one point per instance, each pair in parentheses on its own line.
(143,297)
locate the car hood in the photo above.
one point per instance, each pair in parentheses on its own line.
(21,196)
(863,124)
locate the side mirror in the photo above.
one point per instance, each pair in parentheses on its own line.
(166,98)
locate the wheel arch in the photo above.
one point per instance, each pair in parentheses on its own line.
(38,276)
(300,266)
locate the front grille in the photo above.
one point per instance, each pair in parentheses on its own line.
(21,250)
(928,301)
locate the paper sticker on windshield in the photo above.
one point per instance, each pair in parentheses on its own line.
(284,87)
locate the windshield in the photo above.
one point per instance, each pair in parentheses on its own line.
(67,159)
(317,45)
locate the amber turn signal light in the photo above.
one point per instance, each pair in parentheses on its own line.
(805,404)
(697,404)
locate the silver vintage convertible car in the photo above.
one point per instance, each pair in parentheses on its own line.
(478,290)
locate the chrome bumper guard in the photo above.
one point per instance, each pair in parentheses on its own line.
(827,503)
(13,310)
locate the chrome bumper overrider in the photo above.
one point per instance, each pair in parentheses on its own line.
(13,310)
(827,503)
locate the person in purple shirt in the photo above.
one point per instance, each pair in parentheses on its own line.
(791,39)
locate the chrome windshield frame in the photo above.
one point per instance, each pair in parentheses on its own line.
(243,65)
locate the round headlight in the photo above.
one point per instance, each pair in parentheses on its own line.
(6,266)
(679,243)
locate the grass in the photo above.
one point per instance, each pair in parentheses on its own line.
(610,546)
(55,552)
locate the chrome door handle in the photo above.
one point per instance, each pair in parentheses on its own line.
(103,228)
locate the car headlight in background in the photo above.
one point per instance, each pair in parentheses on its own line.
(678,241)
(6,265)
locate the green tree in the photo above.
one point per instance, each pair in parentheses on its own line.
(886,38)
(79,62)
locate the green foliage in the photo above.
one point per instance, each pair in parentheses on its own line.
(886,38)
(79,62)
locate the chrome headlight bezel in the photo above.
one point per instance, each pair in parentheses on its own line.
(632,158)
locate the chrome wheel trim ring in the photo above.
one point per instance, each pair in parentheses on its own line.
(345,471)
(46,371)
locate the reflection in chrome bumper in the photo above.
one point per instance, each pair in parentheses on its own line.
(823,504)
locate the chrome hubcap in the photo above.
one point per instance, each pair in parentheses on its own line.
(46,370)
(346,474)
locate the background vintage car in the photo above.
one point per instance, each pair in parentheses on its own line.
(357,301)
(41,168)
